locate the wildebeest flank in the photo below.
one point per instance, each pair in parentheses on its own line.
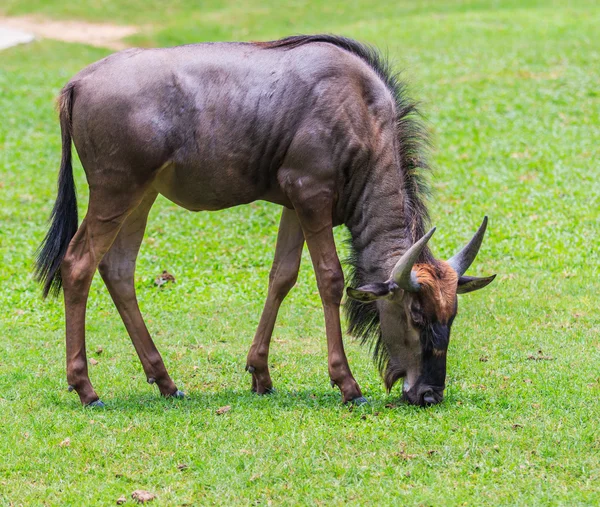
(317,124)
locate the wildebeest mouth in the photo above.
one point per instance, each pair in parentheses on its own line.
(423,396)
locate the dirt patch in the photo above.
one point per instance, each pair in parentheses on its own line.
(94,34)
(10,37)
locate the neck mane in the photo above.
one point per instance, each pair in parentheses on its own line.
(396,221)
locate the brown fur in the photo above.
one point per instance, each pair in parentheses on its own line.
(438,282)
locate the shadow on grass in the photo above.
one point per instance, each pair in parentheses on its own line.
(281,400)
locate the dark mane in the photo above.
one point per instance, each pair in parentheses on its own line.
(413,144)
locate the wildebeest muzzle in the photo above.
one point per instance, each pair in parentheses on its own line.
(423,395)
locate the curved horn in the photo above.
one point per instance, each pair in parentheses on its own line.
(402,273)
(463,259)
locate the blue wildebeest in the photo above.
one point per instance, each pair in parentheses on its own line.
(316,124)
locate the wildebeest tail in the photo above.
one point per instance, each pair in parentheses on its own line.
(63,220)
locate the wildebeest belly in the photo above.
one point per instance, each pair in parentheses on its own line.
(199,188)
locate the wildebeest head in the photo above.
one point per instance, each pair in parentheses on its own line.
(416,307)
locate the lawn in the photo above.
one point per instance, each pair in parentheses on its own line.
(510,91)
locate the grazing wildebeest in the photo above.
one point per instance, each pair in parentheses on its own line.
(317,124)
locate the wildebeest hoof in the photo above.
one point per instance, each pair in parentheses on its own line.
(250,369)
(151,380)
(360,401)
(268,390)
(96,404)
(71,389)
(332,383)
(180,395)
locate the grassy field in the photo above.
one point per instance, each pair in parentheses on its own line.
(511,93)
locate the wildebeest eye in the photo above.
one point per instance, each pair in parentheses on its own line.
(416,313)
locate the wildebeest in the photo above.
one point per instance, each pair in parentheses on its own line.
(317,124)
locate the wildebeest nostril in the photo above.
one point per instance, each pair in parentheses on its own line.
(429,398)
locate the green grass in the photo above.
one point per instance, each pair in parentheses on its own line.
(511,93)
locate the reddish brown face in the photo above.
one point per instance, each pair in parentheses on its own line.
(415,330)
(430,313)
(437,297)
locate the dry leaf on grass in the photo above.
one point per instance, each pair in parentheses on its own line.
(93,362)
(405,456)
(540,358)
(163,278)
(66,442)
(223,410)
(121,500)
(141,496)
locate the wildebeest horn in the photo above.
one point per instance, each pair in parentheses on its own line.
(402,274)
(463,259)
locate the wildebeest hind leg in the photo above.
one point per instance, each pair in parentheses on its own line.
(108,208)
(117,269)
(282,278)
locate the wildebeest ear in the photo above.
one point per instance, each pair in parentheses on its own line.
(471,283)
(371,291)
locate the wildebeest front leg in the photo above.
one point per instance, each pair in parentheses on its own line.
(316,219)
(282,278)
(117,269)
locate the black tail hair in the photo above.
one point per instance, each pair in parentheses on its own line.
(64,214)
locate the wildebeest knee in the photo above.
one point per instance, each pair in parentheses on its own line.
(281,282)
(331,285)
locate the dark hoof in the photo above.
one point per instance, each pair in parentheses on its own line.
(332,383)
(151,380)
(180,395)
(268,390)
(96,404)
(360,401)
(70,389)
(250,369)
